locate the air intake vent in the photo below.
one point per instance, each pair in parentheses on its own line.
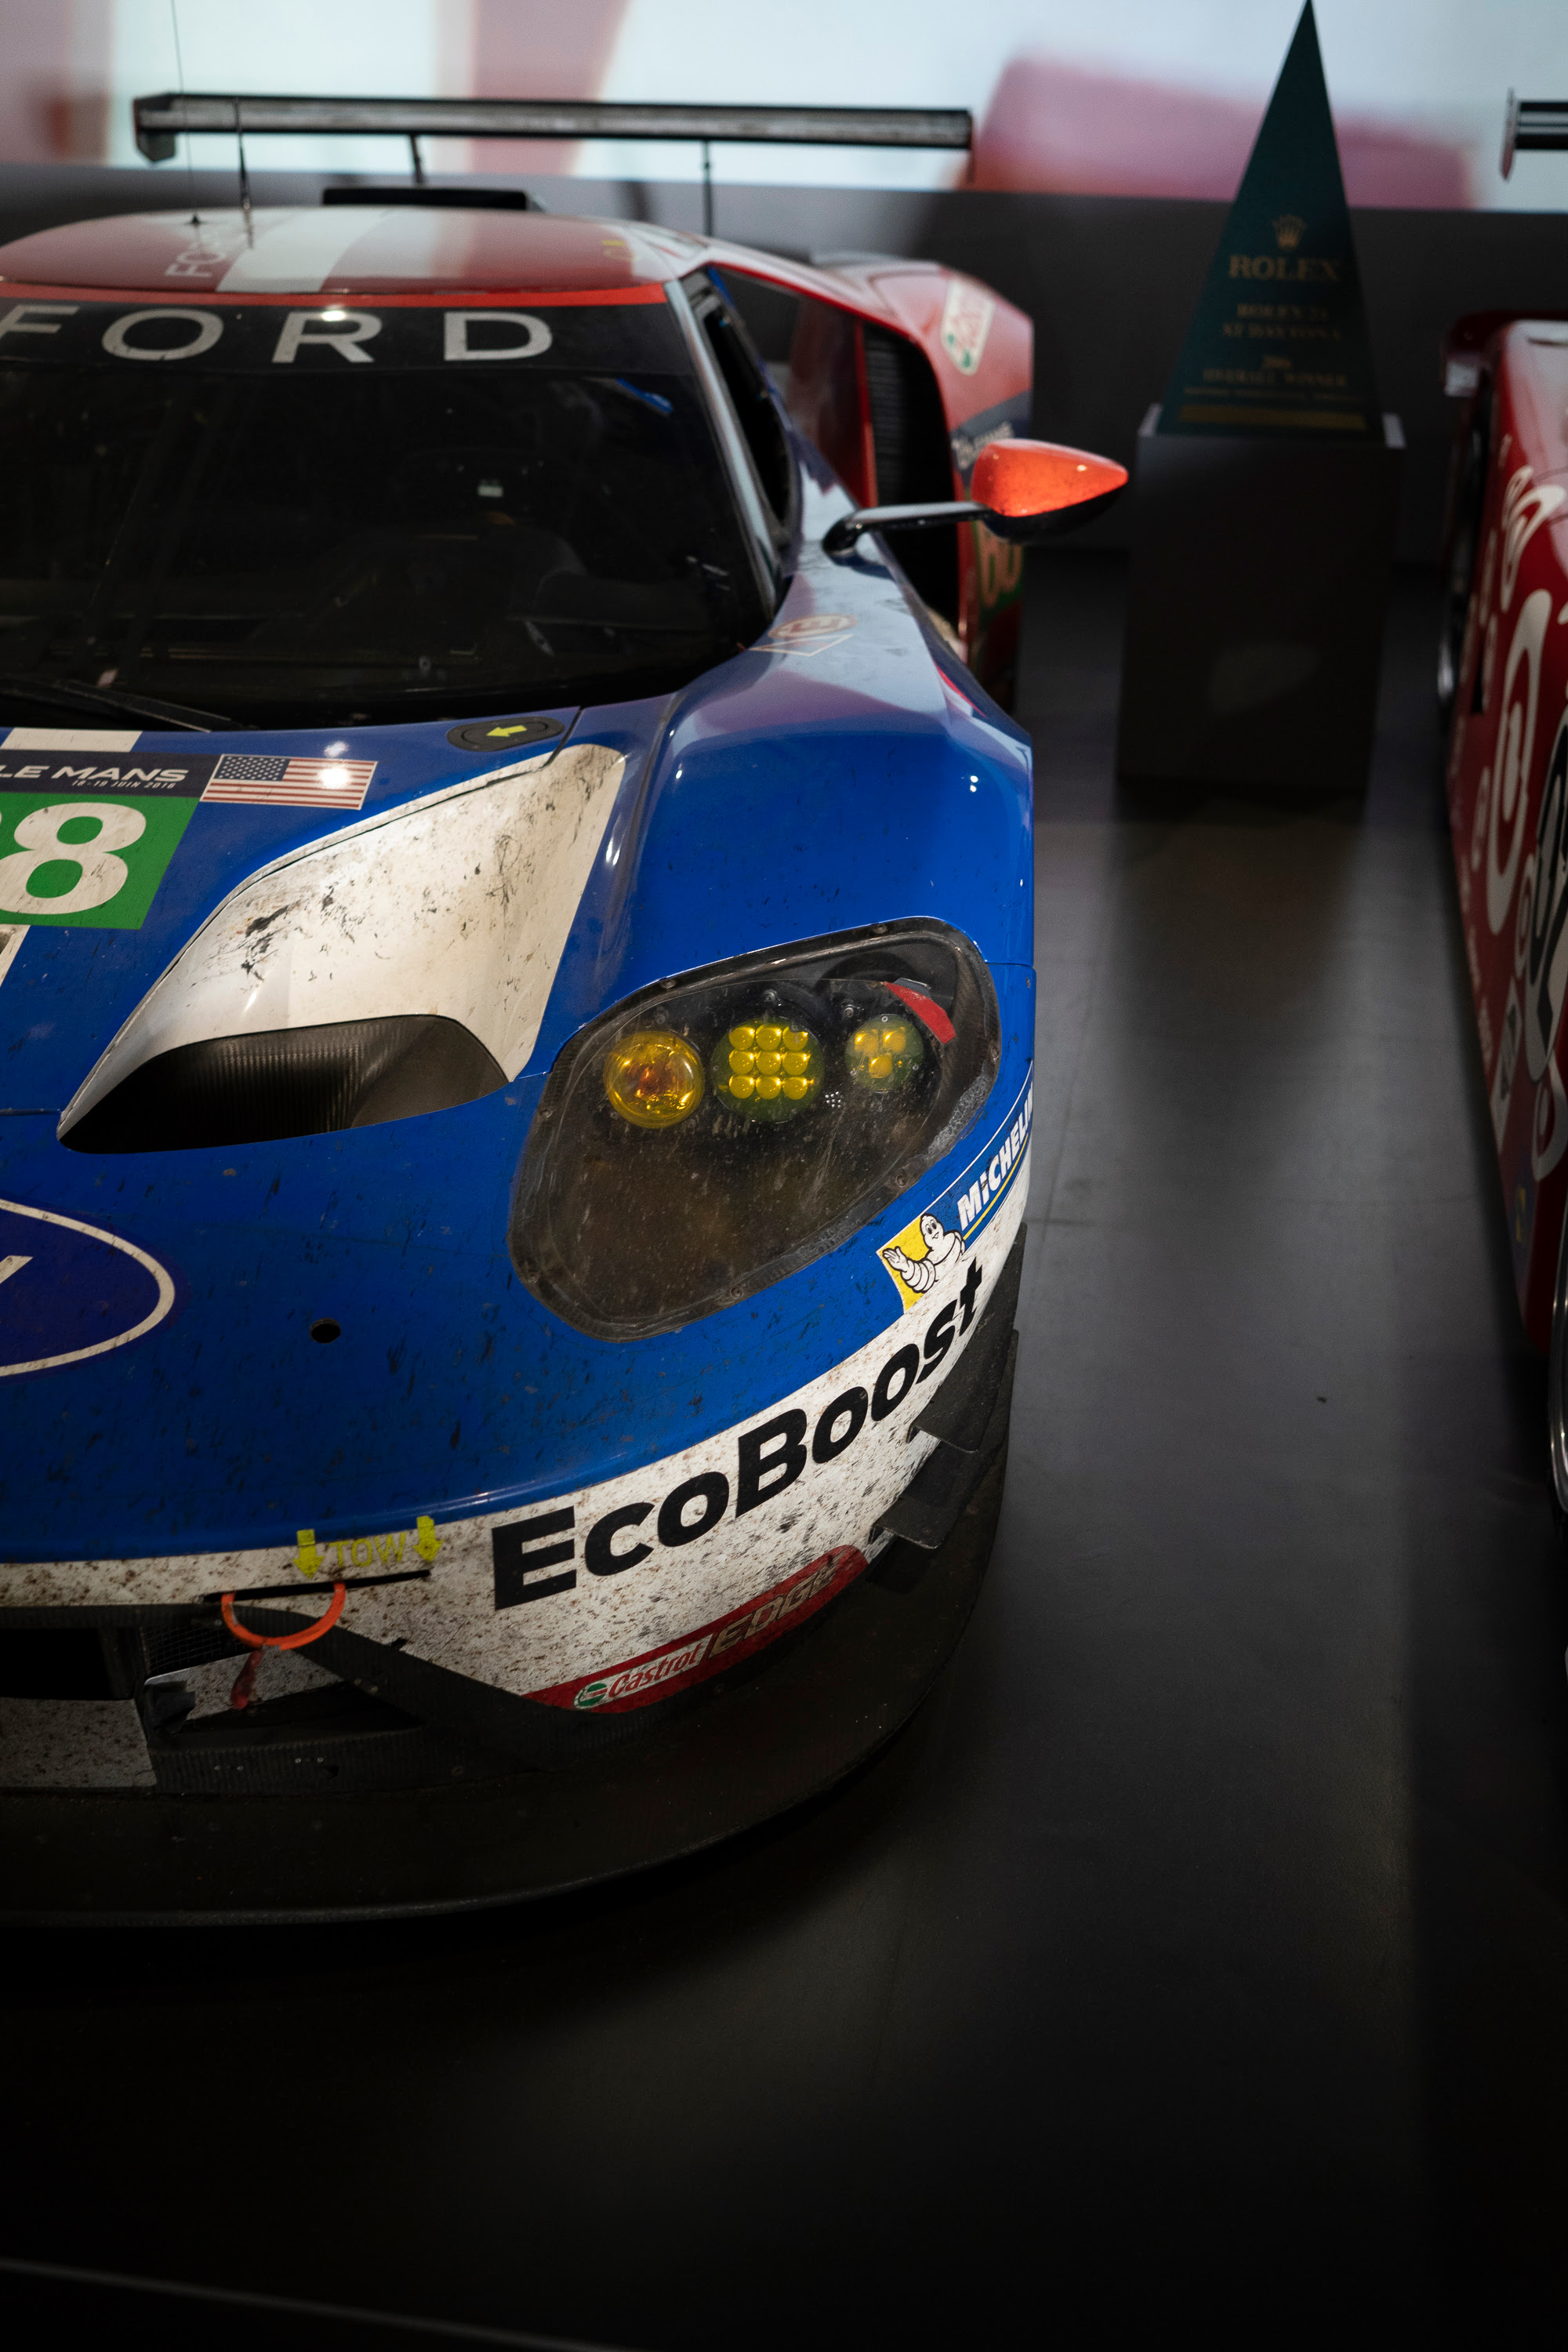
(914,462)
(472,198)
(227,1091)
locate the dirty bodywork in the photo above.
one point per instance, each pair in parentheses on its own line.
(354,815)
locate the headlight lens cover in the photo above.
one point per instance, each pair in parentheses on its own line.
(836,1071)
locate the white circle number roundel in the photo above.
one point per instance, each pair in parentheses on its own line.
(101,875)
(1515,745)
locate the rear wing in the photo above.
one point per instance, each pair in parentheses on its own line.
(1532,123)
(159,120)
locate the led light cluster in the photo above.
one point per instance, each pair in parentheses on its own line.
(884,1055)
(766,1067)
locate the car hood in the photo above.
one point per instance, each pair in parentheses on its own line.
(830,777)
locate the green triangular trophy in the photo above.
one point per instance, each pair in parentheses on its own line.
(1278,341)
(1265,491)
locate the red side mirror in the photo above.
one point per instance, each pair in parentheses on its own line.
(1035,482)
(1021,490)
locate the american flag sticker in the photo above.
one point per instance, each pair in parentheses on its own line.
(261,780)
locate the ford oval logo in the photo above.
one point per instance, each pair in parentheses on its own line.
(69,1291)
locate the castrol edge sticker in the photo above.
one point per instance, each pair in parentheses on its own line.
(593,1583)
(736,1635)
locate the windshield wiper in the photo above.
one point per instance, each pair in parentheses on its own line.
(71,695)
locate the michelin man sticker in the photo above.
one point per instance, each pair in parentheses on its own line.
(941,1251)
(920,1259)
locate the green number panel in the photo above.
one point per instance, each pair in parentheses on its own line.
(93,860)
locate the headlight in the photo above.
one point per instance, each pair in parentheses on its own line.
(653,1078)
(836,1071)
(768,1067)
(885,1053)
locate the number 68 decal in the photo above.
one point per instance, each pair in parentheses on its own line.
(93,863)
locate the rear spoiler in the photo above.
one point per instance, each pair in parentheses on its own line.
(159,120)
(1532,122)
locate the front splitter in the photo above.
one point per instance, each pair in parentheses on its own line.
(753,1746)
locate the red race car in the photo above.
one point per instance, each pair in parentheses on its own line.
(1502,685)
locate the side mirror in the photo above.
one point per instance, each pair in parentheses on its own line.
(1031,489)
(1021,490)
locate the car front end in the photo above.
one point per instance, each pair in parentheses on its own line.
(516,974)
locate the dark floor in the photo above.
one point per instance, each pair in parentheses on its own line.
(1199,1957)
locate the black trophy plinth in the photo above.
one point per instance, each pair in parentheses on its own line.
(1255,620)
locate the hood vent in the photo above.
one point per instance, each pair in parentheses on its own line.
(224,1092)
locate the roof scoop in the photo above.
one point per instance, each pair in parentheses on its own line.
(1021,491)
(473,195)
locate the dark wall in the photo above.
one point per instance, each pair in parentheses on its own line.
(1109,281)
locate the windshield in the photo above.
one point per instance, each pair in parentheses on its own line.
(340,515)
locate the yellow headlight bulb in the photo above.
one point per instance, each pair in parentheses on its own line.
(653,1078)
(766,1069)
(884,1052)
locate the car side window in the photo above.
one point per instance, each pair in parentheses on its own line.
(752,395)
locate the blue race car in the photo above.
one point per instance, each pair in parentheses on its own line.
(516,992)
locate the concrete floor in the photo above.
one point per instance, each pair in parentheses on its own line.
(1200,1954)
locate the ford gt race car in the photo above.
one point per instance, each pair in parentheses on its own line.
(515,984)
